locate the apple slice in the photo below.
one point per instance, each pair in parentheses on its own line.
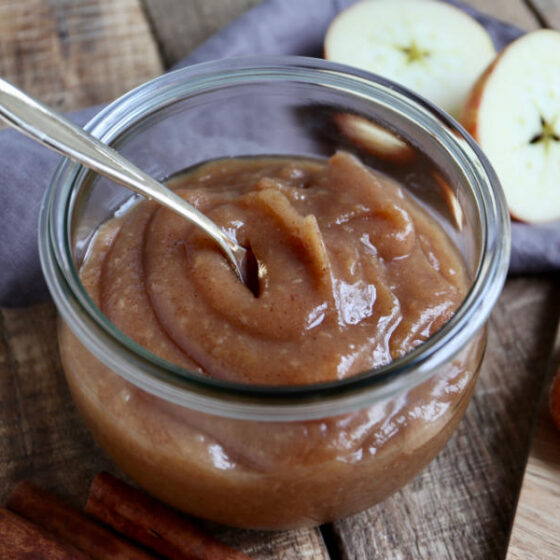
(375,138)
(514,114)
(431,47)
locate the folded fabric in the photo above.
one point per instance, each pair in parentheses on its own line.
(289,27)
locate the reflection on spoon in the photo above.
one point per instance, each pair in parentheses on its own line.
(57,133)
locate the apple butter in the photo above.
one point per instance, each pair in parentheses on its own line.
(352,274)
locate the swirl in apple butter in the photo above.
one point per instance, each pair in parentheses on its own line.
(352,273)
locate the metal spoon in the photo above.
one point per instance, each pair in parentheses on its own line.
(54,131)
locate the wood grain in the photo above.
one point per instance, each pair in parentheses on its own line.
(516,12)
(535,533)
(75,54)
(42,434)
(548,12)
(182,26)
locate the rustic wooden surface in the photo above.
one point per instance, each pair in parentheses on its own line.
(73,54)
(180,29)
(535,534)
(548,12)
(518,12)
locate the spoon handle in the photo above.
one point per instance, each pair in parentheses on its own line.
(54,131)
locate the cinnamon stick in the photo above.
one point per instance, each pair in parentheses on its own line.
(22,540)
(146,520)
(62,520)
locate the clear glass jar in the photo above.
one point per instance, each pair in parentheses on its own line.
(256,456)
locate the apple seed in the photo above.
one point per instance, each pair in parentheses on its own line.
(546,135)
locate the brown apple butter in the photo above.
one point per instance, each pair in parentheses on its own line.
(352,273)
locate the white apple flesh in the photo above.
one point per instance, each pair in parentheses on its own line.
(514,114)
(433,48)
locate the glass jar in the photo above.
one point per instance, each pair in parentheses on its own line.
(266,456)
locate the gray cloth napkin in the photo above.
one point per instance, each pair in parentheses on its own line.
(289,27)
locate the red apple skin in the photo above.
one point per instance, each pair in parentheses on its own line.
(469,116)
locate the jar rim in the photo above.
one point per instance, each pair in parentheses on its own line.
(259,402)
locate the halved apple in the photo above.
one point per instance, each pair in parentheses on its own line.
(374,138)
(431,47)
(514,114)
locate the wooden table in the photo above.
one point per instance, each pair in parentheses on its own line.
(74,54)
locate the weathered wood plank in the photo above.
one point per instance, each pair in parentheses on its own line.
(182,26)
(535,533)
(75,54)
(516,12)
(43,436)
(462,505)
(548,11)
